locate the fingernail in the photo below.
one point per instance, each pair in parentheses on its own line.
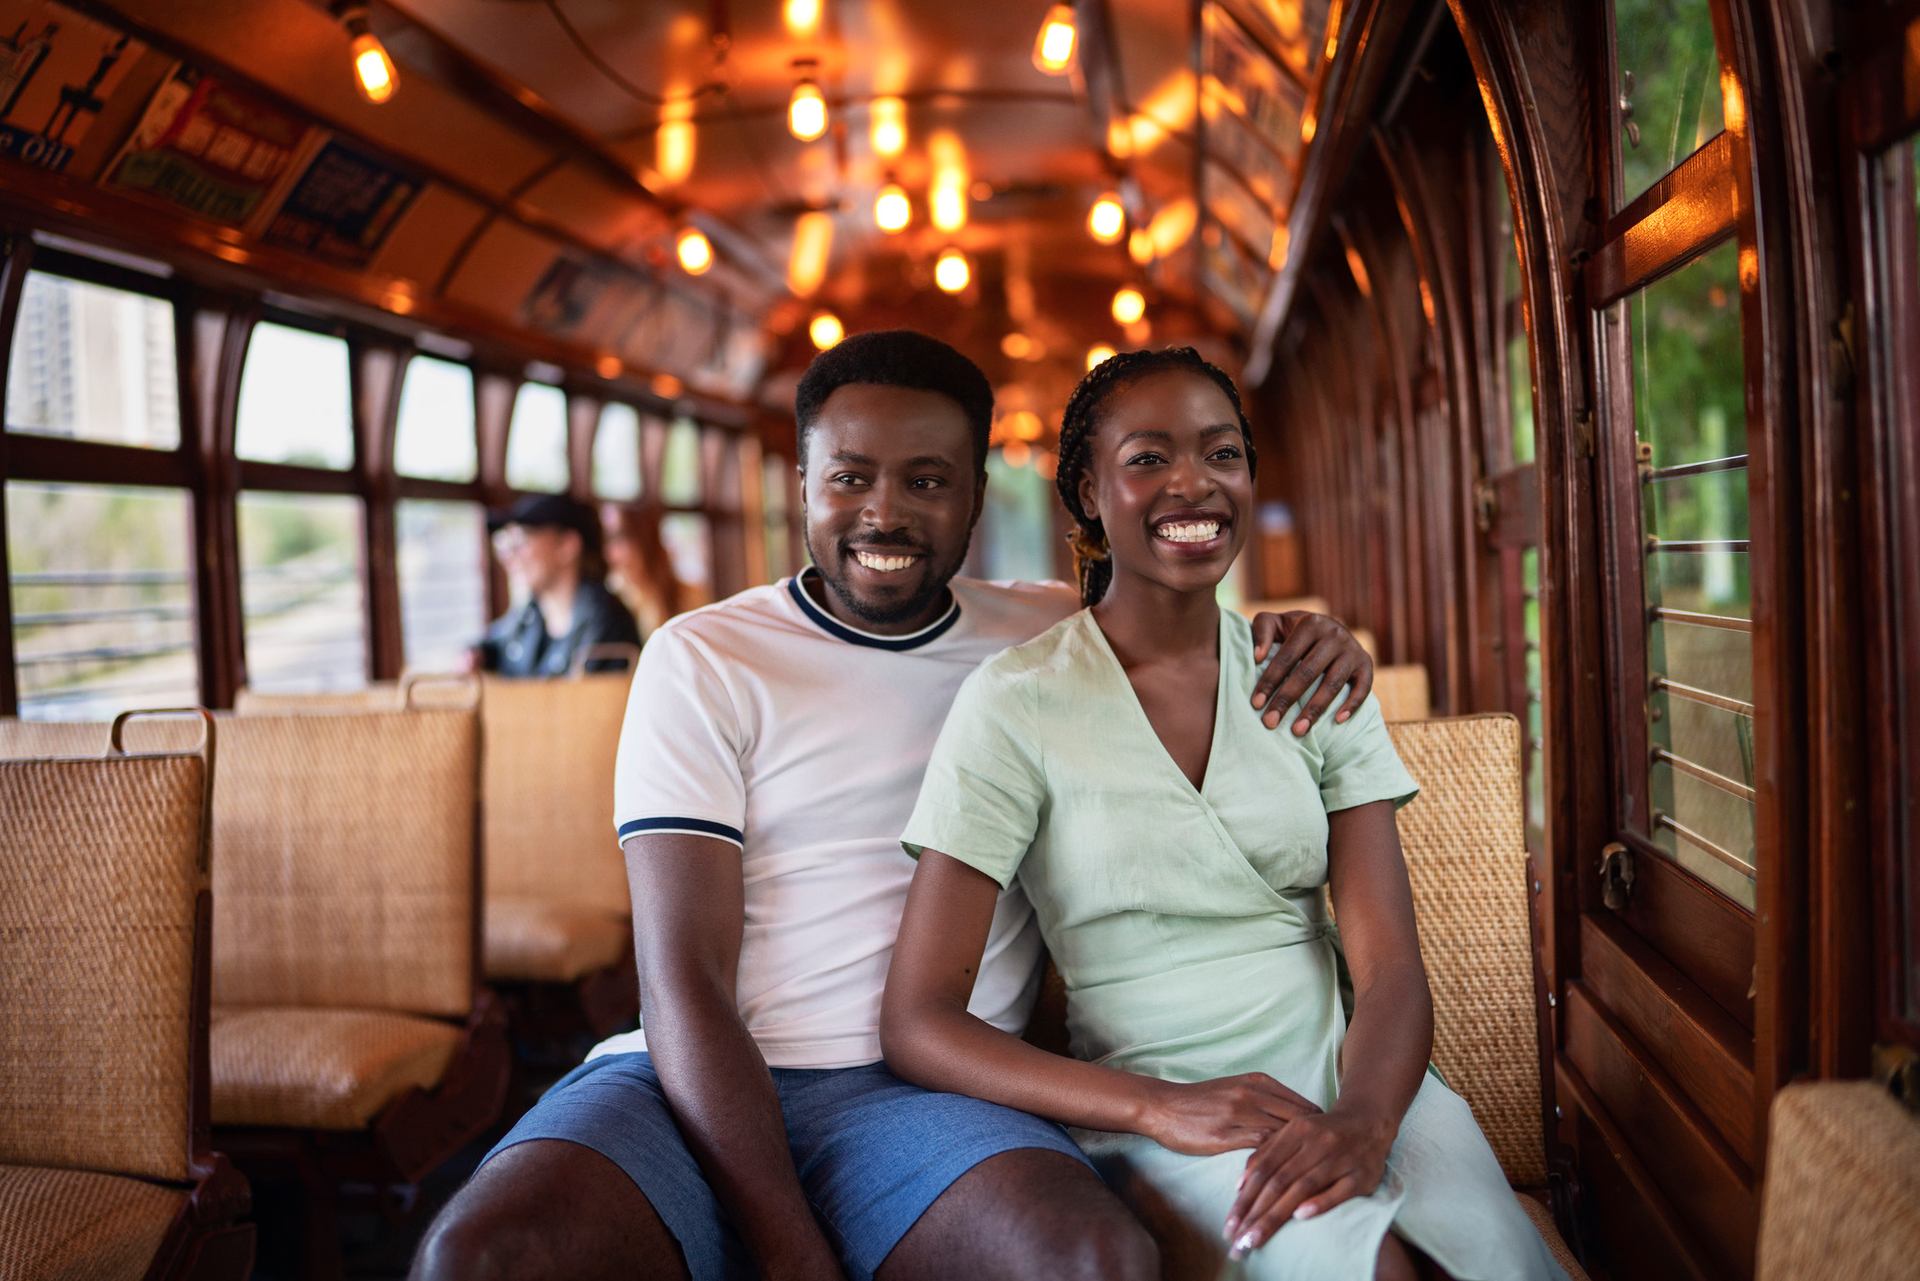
(1306,1212)
(1301,726)
(1241,1247)
(1259,700)
(1233,1226)
(1342,717)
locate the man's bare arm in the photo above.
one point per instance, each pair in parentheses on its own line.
(688,916)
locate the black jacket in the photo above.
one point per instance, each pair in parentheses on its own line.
(517,643)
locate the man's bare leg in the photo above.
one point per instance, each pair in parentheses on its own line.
(1026,1213)
(544,1210)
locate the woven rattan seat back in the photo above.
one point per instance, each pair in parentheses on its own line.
(344,866)
(549,790)
(1465,843)
(22,739)
(383,697)
(102,868)
(1403,692)
(1838,1201)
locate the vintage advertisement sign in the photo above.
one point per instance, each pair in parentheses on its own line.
(342,207)
(57,70)
(208,149)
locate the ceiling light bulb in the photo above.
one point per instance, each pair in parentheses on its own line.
(373,73)
(801,16)
(1129,304)
(1016,346)
(807,111)
(1053,47)
(950,271)
(1097,355)
(1140,246)
(1107,219)
(694,250)
(825,330)
(892,211)
(887,126)
(947,203)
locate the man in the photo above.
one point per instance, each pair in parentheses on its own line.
(550,548)
(772,752)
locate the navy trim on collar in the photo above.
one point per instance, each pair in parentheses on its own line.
(840,631)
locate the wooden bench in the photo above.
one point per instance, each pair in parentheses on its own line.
(106,1167)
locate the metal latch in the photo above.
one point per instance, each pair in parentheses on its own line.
(1485,505)
(1616,876)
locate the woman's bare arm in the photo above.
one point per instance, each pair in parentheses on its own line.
(929,1038)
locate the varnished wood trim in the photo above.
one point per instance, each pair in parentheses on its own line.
(1640,1234)
(1708,1054)
(1685,213)
(60,459)
(1710,1189)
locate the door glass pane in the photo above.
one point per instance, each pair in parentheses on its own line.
(443,582)
(93,363)
(295,399)
(616,452)
(1690,419)
(435,438)
(537,439)
(300,591)
(680,468)
(102,599)
(1670,76)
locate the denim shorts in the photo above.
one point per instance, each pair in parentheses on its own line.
(872,1152)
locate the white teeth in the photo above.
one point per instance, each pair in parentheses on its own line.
(884,564)
(1189,532)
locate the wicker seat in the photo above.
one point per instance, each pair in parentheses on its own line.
(74,1225)
(321,1069)
(105,1169)
(1403,692)
(1842,1163)
(558,930)
(530,939)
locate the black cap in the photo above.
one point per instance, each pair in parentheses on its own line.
(551,511)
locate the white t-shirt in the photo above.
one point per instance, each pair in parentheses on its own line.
(764,721)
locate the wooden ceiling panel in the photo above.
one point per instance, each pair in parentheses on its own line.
(425,238)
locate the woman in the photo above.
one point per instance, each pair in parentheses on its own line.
(1174,852)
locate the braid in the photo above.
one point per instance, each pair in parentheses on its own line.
(1089,538)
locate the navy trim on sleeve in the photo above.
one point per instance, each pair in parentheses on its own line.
(691,826)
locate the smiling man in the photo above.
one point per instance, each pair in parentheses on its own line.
(773,749)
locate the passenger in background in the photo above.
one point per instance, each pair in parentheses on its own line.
(639,570)
(550,547)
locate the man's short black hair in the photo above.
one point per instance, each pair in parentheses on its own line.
(897,358)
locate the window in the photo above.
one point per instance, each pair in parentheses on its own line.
(434,439)
(102,599)
(443,581)
(537,439)
(616,452)
(689,540)
(777,475)
(1689,417)
(680,468)
(1017,522)
(295,399)
(1669,87)
(93,363)
(301,597)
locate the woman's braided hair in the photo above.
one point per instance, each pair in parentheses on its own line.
(1089,538)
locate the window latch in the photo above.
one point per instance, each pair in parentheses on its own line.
(1630,127)
(1616,876)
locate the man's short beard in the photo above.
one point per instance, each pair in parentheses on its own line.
(886,616)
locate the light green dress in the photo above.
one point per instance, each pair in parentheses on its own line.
(1191,929)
